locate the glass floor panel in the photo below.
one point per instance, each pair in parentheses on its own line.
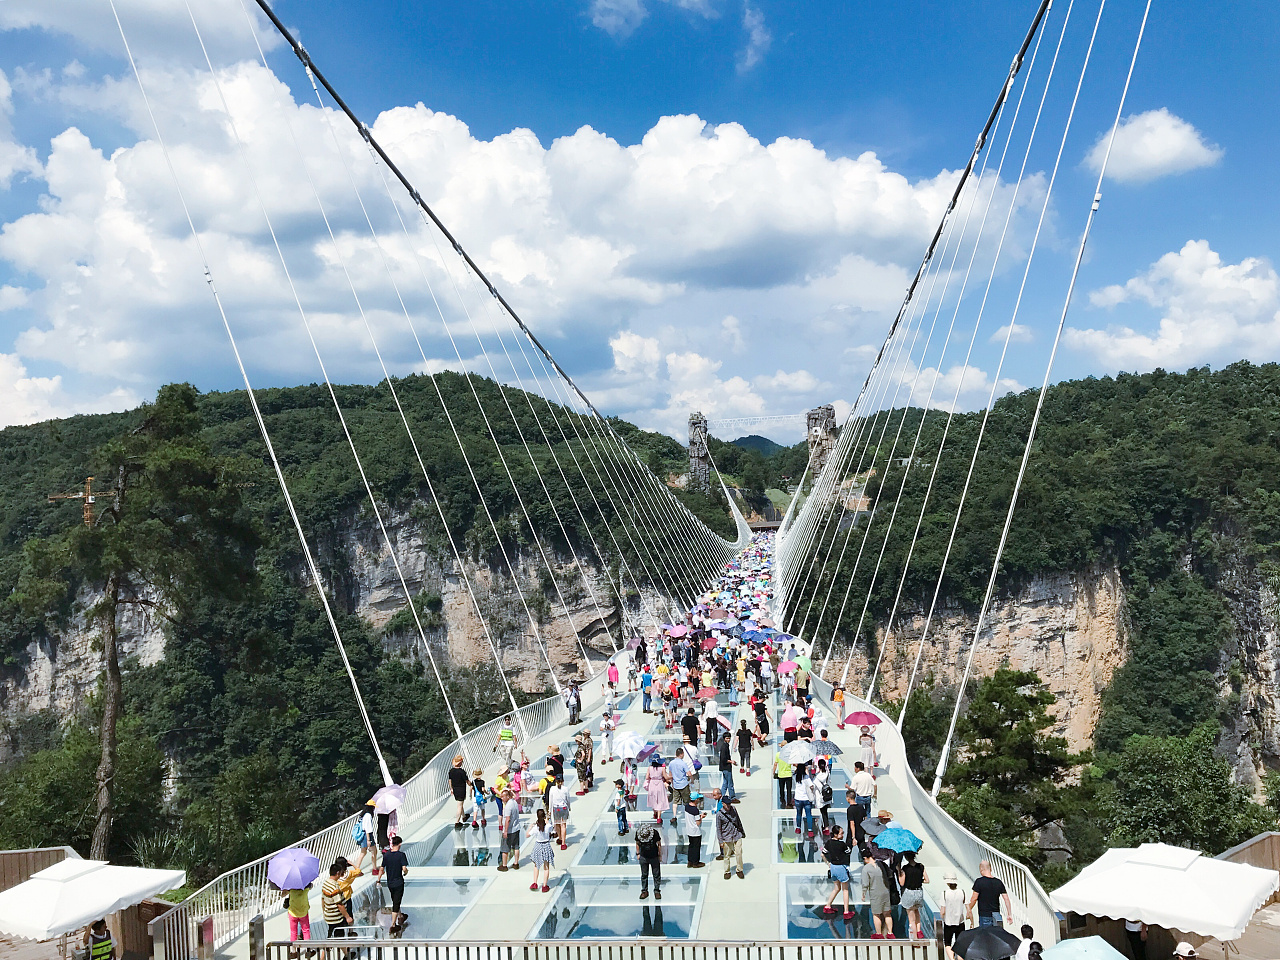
(451,847)
(803,899)
(610,908)
(794,848)
(641,804)
(432,905)
(839,783)
(607,848)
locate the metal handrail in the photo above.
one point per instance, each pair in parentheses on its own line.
(1030,902)
(220,910)
(633,949)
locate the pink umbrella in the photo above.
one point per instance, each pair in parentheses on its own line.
(706,693)
(679,630)
(787,666)
(724,721)
(863,718)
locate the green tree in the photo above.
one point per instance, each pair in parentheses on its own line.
(48,798)
(1175,790)
(1010,778)
(924,728)
(173,530)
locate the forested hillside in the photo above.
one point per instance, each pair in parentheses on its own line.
(1174,479)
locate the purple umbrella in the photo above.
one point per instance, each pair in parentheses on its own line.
(293,869)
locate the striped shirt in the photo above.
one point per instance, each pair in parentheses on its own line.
(331,898)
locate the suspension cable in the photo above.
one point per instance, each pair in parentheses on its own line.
(1044,386)
(313,569)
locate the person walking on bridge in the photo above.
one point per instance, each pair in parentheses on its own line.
(730,833)
(988,894)
(724,754)
(507,742)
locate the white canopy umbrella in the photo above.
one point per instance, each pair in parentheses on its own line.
(74,893)
(1169,887)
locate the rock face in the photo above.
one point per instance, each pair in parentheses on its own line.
(1250,671)
(364,580)
(1069,630)
(61,673)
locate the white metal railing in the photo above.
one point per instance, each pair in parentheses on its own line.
(637,949)
(1030,902)
(220,910)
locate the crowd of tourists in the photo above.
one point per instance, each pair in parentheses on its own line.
(726,648)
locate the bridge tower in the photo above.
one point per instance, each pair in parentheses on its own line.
(822,431)
(699,457)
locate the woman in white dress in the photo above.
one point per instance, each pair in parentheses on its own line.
(867,741)
(544,853)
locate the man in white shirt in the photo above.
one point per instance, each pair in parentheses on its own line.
(1024,948)
(863,785)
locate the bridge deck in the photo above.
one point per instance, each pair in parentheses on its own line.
(708,908)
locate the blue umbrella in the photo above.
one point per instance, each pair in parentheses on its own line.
(752,636)
(898,839)
(293,869)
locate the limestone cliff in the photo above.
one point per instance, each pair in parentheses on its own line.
(364,580)
(1068,629)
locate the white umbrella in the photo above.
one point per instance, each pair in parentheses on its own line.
(74,893)
(388,799)
(798,751)
(1166,886)
(627,744)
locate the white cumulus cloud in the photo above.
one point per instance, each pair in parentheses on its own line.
(1151,145)
(1020,333)
(1209,311)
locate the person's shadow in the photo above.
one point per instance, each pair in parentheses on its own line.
(651,924)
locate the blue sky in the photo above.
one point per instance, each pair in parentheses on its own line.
(745,262)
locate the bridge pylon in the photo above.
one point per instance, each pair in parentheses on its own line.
(699,455)
(822,432)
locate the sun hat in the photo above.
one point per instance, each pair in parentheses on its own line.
(950,877)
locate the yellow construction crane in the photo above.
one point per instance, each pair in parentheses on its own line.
(87,495)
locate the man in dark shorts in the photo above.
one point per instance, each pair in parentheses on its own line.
(458,783)
(509,828)
(395,864)
(988,893)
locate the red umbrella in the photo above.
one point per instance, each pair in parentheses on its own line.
(863,718)
(706,693)
(709,643)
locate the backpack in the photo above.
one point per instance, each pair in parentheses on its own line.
(357,831)
(647,840)
(827,793)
